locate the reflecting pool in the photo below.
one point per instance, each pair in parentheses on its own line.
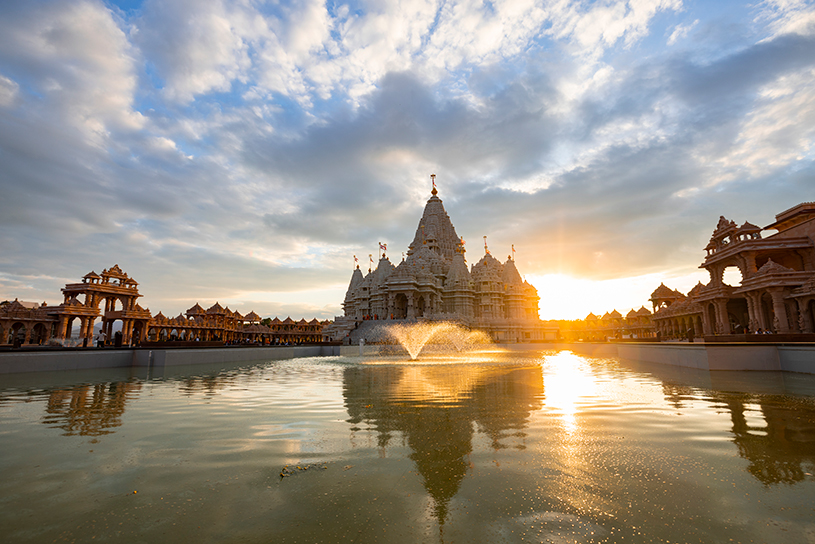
(539,446)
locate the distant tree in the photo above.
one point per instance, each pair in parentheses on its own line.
(266,321)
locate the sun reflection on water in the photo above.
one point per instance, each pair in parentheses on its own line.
(567,379)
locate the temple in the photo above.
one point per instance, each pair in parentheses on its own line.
(434,283)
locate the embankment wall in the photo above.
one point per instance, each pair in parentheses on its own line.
(40,361)
(719,356)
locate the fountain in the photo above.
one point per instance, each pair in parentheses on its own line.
(444,334)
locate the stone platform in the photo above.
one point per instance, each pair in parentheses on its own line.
(775,356)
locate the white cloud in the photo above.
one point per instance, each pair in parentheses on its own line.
(788,16)
(596,28)
(80,59)
(8,91)
(681,31)
(303,51)
(779,131)
(198,46)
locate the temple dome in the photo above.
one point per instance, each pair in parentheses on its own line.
(510,275)
(458,276)
(488,269)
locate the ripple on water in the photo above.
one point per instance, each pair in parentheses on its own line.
(527,447)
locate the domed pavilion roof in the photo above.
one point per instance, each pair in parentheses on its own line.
(510,275)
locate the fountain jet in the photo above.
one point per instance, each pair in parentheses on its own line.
(445,335)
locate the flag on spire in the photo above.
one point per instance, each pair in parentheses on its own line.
(486,250)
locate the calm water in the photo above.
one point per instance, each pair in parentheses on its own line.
(524,447)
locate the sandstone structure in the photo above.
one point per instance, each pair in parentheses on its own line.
(776,293)
(112,296)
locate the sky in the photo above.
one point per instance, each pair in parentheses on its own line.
(244,151)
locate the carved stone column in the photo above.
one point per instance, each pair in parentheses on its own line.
(750,262)
(697,327)
(805,320)
(707,327)
(89,329)
(127,328)
(62,327)
(723,320)
(779,309)
(752,320)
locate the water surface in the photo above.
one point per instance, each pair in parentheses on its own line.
(500,447)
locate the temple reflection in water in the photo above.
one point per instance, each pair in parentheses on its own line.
(773,432)
(89,410)
(778,450)
(438,409)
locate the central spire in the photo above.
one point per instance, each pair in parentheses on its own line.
(435,229)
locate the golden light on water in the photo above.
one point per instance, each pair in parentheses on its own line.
(568,378)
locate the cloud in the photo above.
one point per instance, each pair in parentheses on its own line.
(196,47)
(8,91)
(788,16)
(681,31)
(76,60)
(222,150)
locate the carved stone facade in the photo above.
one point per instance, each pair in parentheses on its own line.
(224,325)
(112,296)
(434,283)
(635,324)
(777,290)
(111,290)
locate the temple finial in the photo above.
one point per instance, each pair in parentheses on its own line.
(434,192)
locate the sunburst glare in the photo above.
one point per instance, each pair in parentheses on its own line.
(567,378)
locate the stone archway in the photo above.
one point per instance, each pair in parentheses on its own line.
(39,334)
(17,333)
(420,306)
(738,314)
(400,303)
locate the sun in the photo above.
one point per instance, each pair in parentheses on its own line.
(567,297)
